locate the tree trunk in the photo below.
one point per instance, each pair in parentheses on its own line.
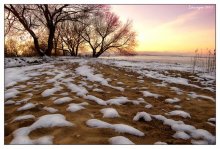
(50,41)
(98,53)
(93,53)
(36,42)
(77,47)
(55,47)
(72,53)
(37,47)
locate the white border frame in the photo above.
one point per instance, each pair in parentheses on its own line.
(2,2)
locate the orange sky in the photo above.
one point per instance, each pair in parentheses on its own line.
(171,28)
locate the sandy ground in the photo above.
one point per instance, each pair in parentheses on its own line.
(200,110)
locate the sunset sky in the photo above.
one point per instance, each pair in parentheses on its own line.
(171,28)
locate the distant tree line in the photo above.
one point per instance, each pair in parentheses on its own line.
(47,29)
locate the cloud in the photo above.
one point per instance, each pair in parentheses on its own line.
(182,19)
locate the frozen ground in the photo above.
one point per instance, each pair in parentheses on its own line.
(69,100)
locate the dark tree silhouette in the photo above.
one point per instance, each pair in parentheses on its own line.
(33,16)
(71,27)
(70,33)
(26,18)
(106,32)
(9,22)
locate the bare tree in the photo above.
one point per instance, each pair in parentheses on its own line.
(9,22)
(106,32)
(50,16)
(25,17)
(71,35)
(33,16)
(57,41)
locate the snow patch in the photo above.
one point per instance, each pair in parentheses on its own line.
(109,113)
(121,128)
(148,106)
(152,70)
(24,100)
(95,99)
(181,135)
(62,100)
(45,121)
(50,109)
(120,140)
(138,101)
(75,107)
(45,140)
(57,77)
(120,83)
(212,119)
(203,134)
(177,90)
(20,74)
(11,93)
(160,143)
(179,113)
(51,120)
(180,126)
(211,124)
(98,123)
(175,100)
(79,90)
(149,94)
(142,115)
(64,94)
(23,117)
(51,91)
(194,95)
(177,106)
(97,90)
(9,102)
(26,107)
(117,101)
(199,142)
(88,72)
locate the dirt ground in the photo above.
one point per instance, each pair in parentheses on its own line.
(200,109)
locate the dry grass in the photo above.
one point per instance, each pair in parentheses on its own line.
(199,109)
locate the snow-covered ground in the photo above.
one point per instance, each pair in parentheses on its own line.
(148,69)
(119,101)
